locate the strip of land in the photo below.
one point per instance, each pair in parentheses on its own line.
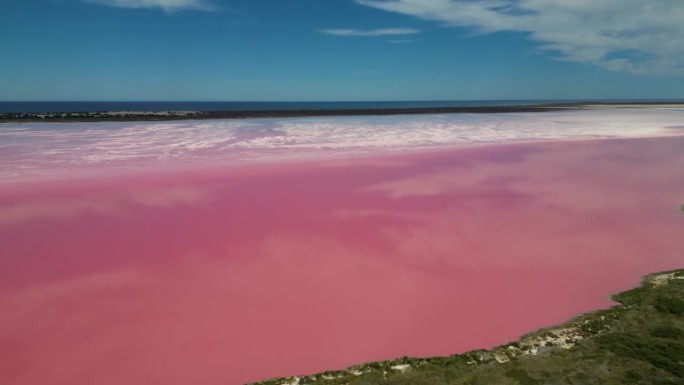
(639,341)
(125,116)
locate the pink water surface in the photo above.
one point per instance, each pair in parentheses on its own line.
(224,277)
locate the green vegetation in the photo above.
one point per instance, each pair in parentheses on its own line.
(640,341)
(670,305)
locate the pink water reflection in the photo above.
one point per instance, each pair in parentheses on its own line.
(224,277)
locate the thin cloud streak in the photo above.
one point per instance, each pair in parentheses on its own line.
(371,32)
(166,5)
(619,35)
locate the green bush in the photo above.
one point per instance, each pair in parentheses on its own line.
(633,377)
(635,296)
(521,376)
(670,305)
(665,355)
(592,327)
(667,332)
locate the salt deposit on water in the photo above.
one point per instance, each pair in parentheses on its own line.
(38,150)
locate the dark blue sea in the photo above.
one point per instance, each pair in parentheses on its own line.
(18,107)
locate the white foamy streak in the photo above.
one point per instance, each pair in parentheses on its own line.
(35,150)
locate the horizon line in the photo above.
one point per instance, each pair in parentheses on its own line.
(327,101)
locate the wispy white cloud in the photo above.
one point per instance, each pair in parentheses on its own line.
(633,36)
(371,32)
(166,5)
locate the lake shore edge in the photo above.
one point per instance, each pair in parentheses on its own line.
(143,116)
(537,344)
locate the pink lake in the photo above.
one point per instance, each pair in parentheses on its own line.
(231,275)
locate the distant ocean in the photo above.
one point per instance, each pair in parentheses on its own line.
(28,107)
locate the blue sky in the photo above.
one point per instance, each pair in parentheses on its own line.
(315,50)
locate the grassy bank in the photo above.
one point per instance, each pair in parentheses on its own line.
(640,341)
